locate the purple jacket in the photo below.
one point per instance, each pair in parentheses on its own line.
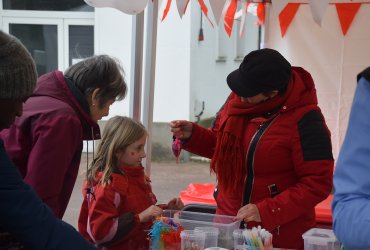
(45,143)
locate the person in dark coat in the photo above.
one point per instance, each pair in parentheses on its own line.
(25,221)
(46,141)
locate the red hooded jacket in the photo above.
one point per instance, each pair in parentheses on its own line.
(289,163)
(110,217)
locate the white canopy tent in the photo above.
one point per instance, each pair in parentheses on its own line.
(333,59)
(314,40)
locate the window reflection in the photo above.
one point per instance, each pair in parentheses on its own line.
(41,41)
(81,42)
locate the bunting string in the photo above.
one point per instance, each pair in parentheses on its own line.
(226,9)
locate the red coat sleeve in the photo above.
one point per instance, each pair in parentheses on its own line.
(105,224)
(202,142)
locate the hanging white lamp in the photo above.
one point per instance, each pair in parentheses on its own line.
(131,7)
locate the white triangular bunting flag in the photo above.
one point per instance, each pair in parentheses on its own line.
(242,23)
(217,7)
(278,6)
(181,6)
(318,8)
(252,9)
(224,10)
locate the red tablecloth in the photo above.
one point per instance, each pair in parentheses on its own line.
(203,193)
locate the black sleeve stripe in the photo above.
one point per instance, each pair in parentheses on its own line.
(126,223)
(315,140)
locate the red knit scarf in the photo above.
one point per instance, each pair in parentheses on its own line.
(228,161)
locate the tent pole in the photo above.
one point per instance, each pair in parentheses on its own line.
(149,76)
(136,65)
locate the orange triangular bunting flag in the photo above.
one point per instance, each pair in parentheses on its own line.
(229,16)
(286,16)
(346,14)
(165,12)
(261,13)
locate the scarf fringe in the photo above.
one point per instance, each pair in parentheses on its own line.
(229,156)
(229,161)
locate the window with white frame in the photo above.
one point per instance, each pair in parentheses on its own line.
(55,35)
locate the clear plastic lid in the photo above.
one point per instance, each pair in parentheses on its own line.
(209,231)
(192,235)
(319,235)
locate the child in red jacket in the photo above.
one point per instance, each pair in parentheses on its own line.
(119,204)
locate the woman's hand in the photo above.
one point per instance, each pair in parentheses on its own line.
(150,213)
(248,213)
(175,204)
(181,129)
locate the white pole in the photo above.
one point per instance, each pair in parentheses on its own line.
(136,65)
(149,76)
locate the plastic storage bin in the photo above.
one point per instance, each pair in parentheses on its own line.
(211,235)
(238,239)
(320,239)
(191,220)
(191,240)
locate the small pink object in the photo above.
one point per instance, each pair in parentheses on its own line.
(176,148)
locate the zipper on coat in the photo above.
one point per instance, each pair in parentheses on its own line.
(250,163)
(242,223)
(247,193)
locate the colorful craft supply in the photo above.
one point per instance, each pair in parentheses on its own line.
(256,238)
(165,234)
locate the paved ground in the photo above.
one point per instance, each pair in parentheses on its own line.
(168,179)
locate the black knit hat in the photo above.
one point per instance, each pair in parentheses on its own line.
(17,69)
(261,71)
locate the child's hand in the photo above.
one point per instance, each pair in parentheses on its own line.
(150,213)
(175,204)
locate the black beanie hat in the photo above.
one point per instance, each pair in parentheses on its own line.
(261,71)
(18,74)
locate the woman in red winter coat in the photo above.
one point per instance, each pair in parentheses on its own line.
(119,204)
(270,148)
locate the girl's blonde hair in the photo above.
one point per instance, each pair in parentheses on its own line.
(118,134)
